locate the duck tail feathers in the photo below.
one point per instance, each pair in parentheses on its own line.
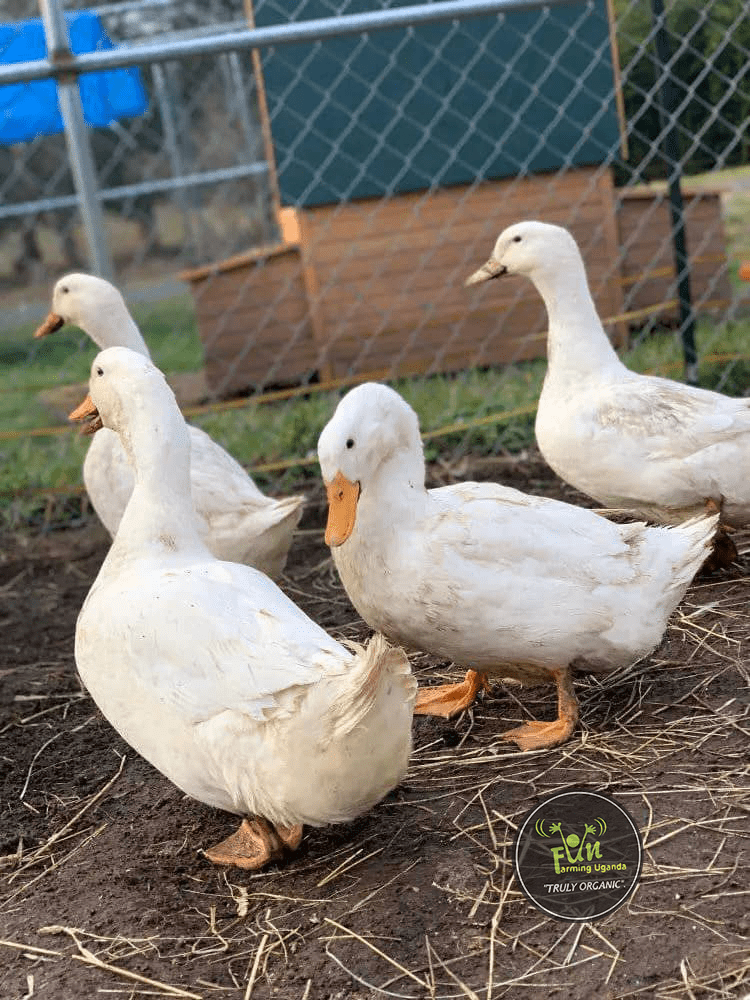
(699,533)
(378,671)
(268,533)
(288,507)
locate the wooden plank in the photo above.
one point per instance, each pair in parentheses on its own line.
(267,297)
(556,182)
(467,238)
(240,371)
(454,260)
(657,239)
(605,290)
(285,309)
(506,202)
(232,337)
(655,290)
(505,197)
(311,279)
(328,242)
(659,189)
(648,269)
(391,294)
(529,319)
(378,283)
(450,358)
(251,275)
(706,264)
(238,261)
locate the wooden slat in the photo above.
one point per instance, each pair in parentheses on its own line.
(331,244)
(648,268)
(256,279)
(238,261)
(508,202)
(287,310)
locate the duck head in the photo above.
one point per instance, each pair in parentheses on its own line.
(78,299)
(97,308)
(373,429)
(122,383)
(528,248)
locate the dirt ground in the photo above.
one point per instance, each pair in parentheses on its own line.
(104,891)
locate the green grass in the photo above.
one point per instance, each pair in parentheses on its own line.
(289,429)
(265,433)
(27,366)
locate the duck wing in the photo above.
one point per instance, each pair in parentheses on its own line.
(218,479)
(496,527)
(211,637)
(672,419)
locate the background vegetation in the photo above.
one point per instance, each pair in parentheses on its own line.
(710,42)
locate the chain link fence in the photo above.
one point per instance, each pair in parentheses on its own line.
(285,221)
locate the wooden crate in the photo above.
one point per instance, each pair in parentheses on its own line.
(388,275)
(647,267)
(254,318)
(376,286)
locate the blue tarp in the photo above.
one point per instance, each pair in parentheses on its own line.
(31,109)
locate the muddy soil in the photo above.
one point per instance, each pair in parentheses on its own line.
(104,890)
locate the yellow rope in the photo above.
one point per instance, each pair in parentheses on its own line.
(350,380)
(283,464)
(460,425)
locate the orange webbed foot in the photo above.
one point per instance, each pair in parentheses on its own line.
(255,844)
(545,735)
(447,700)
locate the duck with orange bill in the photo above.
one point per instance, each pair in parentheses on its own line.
(237,520)
(212,673)
(505,584)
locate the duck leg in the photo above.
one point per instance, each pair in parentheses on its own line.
(290,836)
(255,844)
(448,700)
(543,735)
(723,553)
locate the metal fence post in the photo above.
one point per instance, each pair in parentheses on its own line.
(165,97)
(666,103)
(77,138)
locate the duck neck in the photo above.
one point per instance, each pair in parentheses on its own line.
(113,326)
(577,344)
(160,513)
(396,490)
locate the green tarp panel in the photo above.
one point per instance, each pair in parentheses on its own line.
(438,104)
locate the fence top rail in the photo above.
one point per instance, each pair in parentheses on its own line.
(64,63)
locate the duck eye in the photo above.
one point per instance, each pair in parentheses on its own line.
(65,289)
(517,239)
(350,443)
(99,371)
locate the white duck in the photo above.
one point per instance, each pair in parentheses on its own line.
(504,583)
(657,447)
(239,523)
(208,670)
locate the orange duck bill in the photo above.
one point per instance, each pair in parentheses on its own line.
(52,322)
(88,414)
(342,509)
